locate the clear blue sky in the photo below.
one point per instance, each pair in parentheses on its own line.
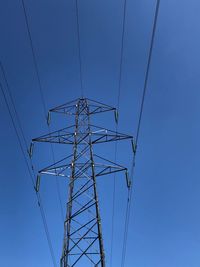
(165,217)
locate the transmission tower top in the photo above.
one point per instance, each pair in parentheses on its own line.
(70,108)
(83,240)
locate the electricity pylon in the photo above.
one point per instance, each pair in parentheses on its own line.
(83,242)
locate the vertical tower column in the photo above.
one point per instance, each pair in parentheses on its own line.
(82,233)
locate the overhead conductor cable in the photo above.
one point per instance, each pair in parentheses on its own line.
(128,208)
(42,98)
(117,121)
(30,174)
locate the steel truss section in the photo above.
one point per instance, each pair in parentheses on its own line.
(70,108)
(98,135)
(83,241)
(63,168)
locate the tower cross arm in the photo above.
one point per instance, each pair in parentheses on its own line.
(70,108)
(98,135)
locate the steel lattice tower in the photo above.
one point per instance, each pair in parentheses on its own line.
(83,242)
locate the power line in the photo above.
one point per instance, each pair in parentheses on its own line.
(42,212)
(121,53)
(34,57)
(127,215)
(17,134)
(79,48)
(147,68)
(42,96)
(129,200)
(13,103)
(118,106)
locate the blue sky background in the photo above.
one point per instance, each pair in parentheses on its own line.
(165,216)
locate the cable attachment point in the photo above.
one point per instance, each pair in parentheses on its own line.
(48,118)
(134,146)
(128,181)
(30,150)
(116,116)
(37,187)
